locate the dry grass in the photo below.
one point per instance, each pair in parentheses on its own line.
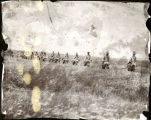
(77,91)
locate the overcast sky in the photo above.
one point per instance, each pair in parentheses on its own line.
(68,26)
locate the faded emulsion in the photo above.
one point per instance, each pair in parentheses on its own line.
(147,114)
(37,69)
(3,47)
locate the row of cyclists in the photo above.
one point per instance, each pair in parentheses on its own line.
(74,61)
(88,60)
(131,65)
(56,58)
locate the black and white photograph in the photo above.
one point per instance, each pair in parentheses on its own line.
(75,59)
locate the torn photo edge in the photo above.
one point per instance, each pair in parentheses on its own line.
(4,46)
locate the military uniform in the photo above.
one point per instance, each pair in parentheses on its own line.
(76,59)
(66,58)
(44,56)
(105,62)
(106,59)
(133,60)
(132,63)
(88,57)
(58,55)
(87,60)
(57,58)
(52,56)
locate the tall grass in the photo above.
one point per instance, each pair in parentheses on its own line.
(79,90)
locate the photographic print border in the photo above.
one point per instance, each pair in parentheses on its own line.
(4,46)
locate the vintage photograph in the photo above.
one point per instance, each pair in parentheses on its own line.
(75,59)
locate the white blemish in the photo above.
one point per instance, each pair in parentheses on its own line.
(5,112)
(149,43)
(2,85)
(4,36)
(142,117)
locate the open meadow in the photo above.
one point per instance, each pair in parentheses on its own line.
(68,91)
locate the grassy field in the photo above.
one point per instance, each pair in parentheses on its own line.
(69,91)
